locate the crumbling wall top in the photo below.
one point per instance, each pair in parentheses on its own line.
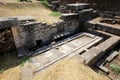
(8,22)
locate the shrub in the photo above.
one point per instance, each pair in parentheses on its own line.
(115,68)
(45,3)
(23,60)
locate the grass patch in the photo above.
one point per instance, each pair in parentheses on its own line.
(100,72)
(45,3)
(55,14)
(2,70)
(115,68)
(23,60)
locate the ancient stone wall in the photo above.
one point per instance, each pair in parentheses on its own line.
(6,41)
(31,33)
(110,28)
(104,5)
(6,37)
(24,36)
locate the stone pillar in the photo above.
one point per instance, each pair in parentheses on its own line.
(16,36)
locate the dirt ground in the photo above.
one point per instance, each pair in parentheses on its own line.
(9,68)
(11,74)
(69,69)
(36,10)
(66,69)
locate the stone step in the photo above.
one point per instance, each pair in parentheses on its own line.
(95,53)
(112,56)
(100,64)
(77,6)
(67,16)
(64,34)
(103,68)
(25,19)
(30,23)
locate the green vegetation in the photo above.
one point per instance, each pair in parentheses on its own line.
(45,3)
(119,52)
(2,70)
(101,72)
(55,14)
(23,60)
(115,68)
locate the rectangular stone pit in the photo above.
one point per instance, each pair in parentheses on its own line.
(69,47)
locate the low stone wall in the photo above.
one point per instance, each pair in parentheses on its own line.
(95,24)
(95,53)
(8,22)
(30,33)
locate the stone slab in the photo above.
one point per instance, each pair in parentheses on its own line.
(112,56)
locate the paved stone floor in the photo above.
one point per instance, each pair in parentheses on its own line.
(72,46)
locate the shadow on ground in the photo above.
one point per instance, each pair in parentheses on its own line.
(8,60)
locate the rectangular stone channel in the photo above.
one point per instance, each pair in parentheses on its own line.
(74,45)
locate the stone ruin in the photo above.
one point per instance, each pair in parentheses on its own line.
(29,34)
(30,37)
